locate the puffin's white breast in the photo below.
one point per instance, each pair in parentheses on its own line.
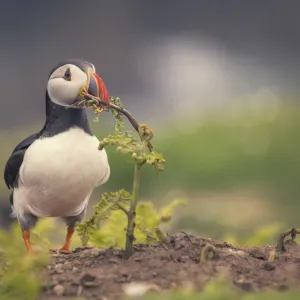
(59,173)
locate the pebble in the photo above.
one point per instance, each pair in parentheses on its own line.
(59,290)
(88,280)
(138,289)
(88,284)
(257,253)
(269,266)
(138,259)
(244,285)
(58,269)
(282,287)
(113,261)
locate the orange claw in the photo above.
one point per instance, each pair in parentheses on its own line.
(26,237)
(66,247)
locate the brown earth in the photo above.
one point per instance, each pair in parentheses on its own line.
(102,273)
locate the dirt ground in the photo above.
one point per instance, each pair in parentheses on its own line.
(103,273)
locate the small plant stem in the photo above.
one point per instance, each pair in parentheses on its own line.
(280,243)
(123,209)
(132,213)
(207,252)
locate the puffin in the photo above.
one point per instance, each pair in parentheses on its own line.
(52,173)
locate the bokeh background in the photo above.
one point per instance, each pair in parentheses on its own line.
(218,81)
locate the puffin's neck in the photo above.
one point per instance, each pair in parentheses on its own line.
(60,119)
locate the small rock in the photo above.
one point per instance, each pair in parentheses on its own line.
(179,259)
(244,285)
(135,290)
(282,287)
(87,277)
(59,290)
(89,284)
(88,280)
(269,266)
(184,258)
(257,253)
(74,270)
(58,269)
(138,259)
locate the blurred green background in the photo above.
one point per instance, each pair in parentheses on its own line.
(238,168)
(218,81)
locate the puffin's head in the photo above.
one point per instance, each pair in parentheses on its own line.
(69,77)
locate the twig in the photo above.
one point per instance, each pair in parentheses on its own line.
(123,209)
(280,243)
(186,235)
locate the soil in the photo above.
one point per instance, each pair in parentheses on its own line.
(103,273)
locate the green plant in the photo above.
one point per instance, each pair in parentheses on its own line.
(142,153)
(104,228)
(20,274)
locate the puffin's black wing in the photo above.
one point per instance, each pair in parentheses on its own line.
(14,163)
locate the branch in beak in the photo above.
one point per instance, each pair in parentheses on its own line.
(87,100)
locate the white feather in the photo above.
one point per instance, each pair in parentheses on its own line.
(59,173)
(63,92)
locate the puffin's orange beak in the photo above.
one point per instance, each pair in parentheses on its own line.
(97,88)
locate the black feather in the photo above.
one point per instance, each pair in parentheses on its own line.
(11,171)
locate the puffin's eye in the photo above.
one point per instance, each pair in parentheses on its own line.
(67,74)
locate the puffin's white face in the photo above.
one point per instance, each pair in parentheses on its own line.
(65,83)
